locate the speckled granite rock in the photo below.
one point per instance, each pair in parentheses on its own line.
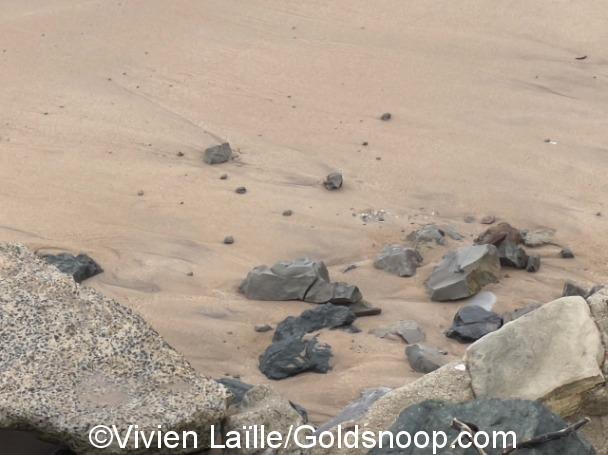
(72,359)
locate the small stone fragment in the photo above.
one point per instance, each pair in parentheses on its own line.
(333,181)
(496,234)
(473,322)
(425,359)
(217,154)
(140,193)
(512,255)
(287,212)
(229,240)
(241,190)
(398,260)
(566,253)
(263,328)
(533,264)
(488,219)
(180,154)
(223,176)
(519,312)
(293,356)
(408,331)
(469,219)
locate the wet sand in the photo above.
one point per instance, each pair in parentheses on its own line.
(99,97)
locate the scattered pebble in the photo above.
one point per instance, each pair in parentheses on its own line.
(386,116)
(287,212)
(229,240)
(180,154)
(469,219)
(365,144)
(241,190)
(262,328)
(333,181)
(566,253)
(190,273)
(488,219)
(224,177)
(140,193)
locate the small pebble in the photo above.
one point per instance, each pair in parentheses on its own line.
(261,328)
(469,219)
(488,219)
(288,213)
(386,117)
(566,253)
(180,154)
(241,190)
(365,144)
(140,193)
(190,273)
(223,176)
(229,240)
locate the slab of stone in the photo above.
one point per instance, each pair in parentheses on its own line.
(218,154)
(398,260)
(408,331)
(333,181)
(339,293)
(292,356)
(566,253)
(325,316)
(538,237)
(363,308)
(462,273)
(79,267)
(553,354)
(355,409)
(571,289)
(72,358)
(527,419)
(473,322)
(512,255)
(425,359)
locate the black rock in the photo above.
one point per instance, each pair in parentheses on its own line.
(236,387)
(326,316)
(333,181)
(293,356)
(386,116)
(241,190)
(287,212)
(79,267)
(571,289)
(512,255)
(224,177)
(527,419)
(566,253)
(425,359)
(533,264)
(229,240)
(217,154)
(473,322)
(398,260)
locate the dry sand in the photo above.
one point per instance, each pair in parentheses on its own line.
(98,98)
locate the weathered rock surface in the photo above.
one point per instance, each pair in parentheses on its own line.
(527,419)
(598,305)
(408,331)
(398,260)
(72,358)
(425,359)
(496,234)
(473,322)
(533,264)
(519,312)
(555,352)
(462,273)
(538,237)
(292,356)
(237,388)
(326,316)
(302,279)
(261,405)
(333,181)
(566,253)
(78,267)
(432,233)
(512,255)
(356,409)
(218,154)
(572,289)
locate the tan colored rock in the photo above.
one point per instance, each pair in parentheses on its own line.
(552,354)
(262,405)
(598,304)
(72,359)
(449,383)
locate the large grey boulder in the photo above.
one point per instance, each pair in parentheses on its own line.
(552,354)
(218,154)
(462,273)
(262,405)
(527,419)
(326,316)
(293,356)
(398,260)
(72,359)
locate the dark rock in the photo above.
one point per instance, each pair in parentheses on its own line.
(349,267)
(180,154)
(496,234)
(241,190)
(512,255)
(365,143)
(363,308)
(425,359)
(140,193)
(218,154)
(573,289)
(224,177)
(333,181)
(408,331)
(527,419)
(386,116)
(237,388)
(344,294)
(229,240)
(566,253)
(473,322)
(326,316)
(518,313)
(462,273)
(488,219)
(263,328)
(79,267)
(427,234)
(398,260)
(533,264)
(538,237)
(287,212)
(293,356)
(469,219)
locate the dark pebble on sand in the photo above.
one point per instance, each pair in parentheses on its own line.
(386,117)
(288,213)
(229,240)
(241,190)
(566,253)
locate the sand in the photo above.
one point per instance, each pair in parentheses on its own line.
(99,97)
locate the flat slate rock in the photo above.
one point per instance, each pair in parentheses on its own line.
(473,322)
(71,357)
(333,181)
(293,356)
(218,154)
(326,316)
(79,267)
(528,419)
(408,331)
(425,359)
(398,260)
(462,273)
